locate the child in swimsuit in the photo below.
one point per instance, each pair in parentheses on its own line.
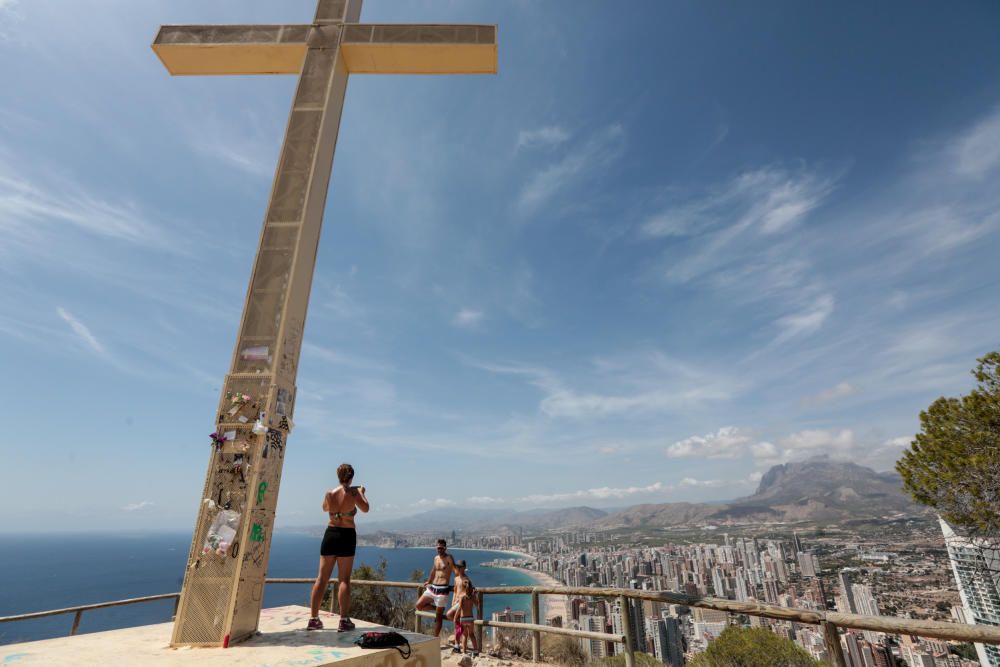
(461,611)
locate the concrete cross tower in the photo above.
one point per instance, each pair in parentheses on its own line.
(223,586)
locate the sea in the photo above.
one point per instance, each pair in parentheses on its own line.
(41,572)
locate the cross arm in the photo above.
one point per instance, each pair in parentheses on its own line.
(232,49)
(366,48)
(420,49)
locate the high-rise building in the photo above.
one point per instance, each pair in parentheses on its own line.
(806,564)
(595,648)
(857,655)
(508,615)
(672,643)
(866,604)
(637,622)
(846,594)
(977,572)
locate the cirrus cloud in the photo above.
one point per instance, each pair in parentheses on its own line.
(726,443)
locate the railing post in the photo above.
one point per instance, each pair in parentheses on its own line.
(629,636)
(536,636)
(76,622)
(479,615)
(834,652)
(177,604)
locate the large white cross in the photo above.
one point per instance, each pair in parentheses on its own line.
(223,588)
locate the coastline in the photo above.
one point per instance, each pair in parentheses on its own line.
(517,555)
(551,605)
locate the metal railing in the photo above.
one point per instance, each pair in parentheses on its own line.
(78,610)
(828,621)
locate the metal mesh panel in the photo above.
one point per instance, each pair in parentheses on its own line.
(294,34)
(219,34)
(396,33)
(419,34)
(288,198)
(243,34)
(280,238)
(330,10)
(206,603)
(358,33)
(324,37)
(262,321)
(315,79)
(486,34)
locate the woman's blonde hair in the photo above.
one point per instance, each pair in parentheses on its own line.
(345,473)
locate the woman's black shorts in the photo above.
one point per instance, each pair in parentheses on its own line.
(340,542)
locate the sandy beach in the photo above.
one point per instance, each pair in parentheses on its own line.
(551,605)
(515,555)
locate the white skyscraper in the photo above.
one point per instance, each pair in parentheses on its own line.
(806,564)
(865,603)
(977,572)
(595,648)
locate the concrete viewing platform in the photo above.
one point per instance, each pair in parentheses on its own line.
(282,642)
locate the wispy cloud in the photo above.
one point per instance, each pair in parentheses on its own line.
(434,502)
(82,332)
(742,239)
(545,183)
(26,208)
(810,441)
(647,382)
(731,442)
(550,135)
(766,201)
(600,493)
(237,155)
(133,507)
(6,7)
(468,318)
(806,321)
(484,500)
(976,152)
(340,303)
(709,483)
(236,144)
(726,443)
(836,392)
(347,360)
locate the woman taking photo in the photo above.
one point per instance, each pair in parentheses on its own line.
(339,543)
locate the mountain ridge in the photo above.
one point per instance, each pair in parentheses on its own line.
(815,489)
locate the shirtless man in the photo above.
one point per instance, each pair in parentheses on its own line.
(436,587)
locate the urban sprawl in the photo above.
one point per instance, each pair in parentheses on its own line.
(908,571)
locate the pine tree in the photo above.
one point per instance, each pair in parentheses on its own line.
(953,464)
(752,647)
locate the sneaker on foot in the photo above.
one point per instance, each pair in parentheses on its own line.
(315,624)
(345,625)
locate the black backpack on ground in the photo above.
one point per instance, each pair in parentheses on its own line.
(385,640)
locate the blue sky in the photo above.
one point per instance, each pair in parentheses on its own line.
(662,250)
